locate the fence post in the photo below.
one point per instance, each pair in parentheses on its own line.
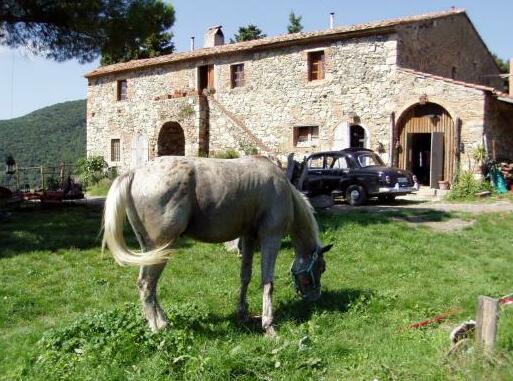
(42,178)
(486,322)
(62,175)
(17,178)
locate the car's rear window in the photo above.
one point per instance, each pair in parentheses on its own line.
(369,159)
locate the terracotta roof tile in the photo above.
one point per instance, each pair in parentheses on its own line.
(285,39)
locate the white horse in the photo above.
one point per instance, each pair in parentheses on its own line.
(213,200)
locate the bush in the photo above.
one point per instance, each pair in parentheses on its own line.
(118,338)
(230,153)
(466,186)
(91,170)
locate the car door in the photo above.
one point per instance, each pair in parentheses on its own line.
(316,174)
(341,171)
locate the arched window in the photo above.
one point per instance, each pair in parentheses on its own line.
(171,140)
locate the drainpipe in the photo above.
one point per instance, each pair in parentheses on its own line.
(332,19)
(192,43)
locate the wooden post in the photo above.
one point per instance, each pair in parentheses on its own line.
(486,322)
(17,177)
(61,175)
(42,178)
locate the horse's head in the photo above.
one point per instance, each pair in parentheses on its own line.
(307,274)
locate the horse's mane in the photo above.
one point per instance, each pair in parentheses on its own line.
(304,216)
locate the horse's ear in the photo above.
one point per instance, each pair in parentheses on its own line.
(326,248)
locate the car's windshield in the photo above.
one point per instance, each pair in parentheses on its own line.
(369,159)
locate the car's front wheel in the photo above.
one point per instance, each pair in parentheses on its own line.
(356,195)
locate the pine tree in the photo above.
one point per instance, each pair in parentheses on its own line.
(247,33)
(118,30)
(294,23)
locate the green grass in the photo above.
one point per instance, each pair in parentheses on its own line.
(69,312)
(101,188)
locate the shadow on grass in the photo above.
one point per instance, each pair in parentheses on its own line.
(296,311)
(379,215)
(57,228)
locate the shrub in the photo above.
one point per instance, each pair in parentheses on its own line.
(248,149)
(91,170)
(230,153)
(466,186)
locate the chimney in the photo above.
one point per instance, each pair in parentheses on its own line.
(511,77)
(192,43)
(213,37)
(332,19)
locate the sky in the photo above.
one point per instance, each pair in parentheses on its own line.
(28,83)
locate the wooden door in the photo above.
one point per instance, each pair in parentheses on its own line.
(210,76)
(428,118)
(409,151)
(437,158)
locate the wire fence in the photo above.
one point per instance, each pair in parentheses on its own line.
(41,177)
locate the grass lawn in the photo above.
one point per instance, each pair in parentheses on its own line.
(69,312)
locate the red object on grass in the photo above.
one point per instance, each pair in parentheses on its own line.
(436,319)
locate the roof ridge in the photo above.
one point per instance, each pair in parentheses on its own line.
(268,41)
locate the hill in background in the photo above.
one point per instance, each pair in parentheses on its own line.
(47,136)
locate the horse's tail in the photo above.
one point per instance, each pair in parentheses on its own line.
(117,205)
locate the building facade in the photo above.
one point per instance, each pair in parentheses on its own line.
(422,91)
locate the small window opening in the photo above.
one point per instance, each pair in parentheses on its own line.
(115,150)
(237,75)
(306,136)
(122,90)
(315,66)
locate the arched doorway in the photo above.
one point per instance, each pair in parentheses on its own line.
(171,140)
(348,135)
(426,138)
(356,136)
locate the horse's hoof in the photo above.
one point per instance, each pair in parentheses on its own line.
(242,316)
(270,332)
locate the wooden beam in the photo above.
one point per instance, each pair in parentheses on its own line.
(486,322)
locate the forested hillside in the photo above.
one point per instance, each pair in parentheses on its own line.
(47,136)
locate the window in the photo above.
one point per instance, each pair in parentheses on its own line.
(315,65)
(306,136)
(122,90)
(340,163)
(237,75)
(317,162)
(115,150)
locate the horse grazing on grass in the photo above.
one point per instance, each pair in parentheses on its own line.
(213,200)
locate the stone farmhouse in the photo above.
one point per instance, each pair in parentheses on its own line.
(423,91)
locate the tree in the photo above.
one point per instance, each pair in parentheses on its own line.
(504,69)
(294,23)
(118,30)
(501,64)
(247,33)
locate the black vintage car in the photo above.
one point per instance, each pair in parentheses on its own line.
(353,173)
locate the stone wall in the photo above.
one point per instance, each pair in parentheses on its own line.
(499,129)
(362,85)
(276,97)
(437,46)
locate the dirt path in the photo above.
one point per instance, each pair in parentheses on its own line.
(420,206)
